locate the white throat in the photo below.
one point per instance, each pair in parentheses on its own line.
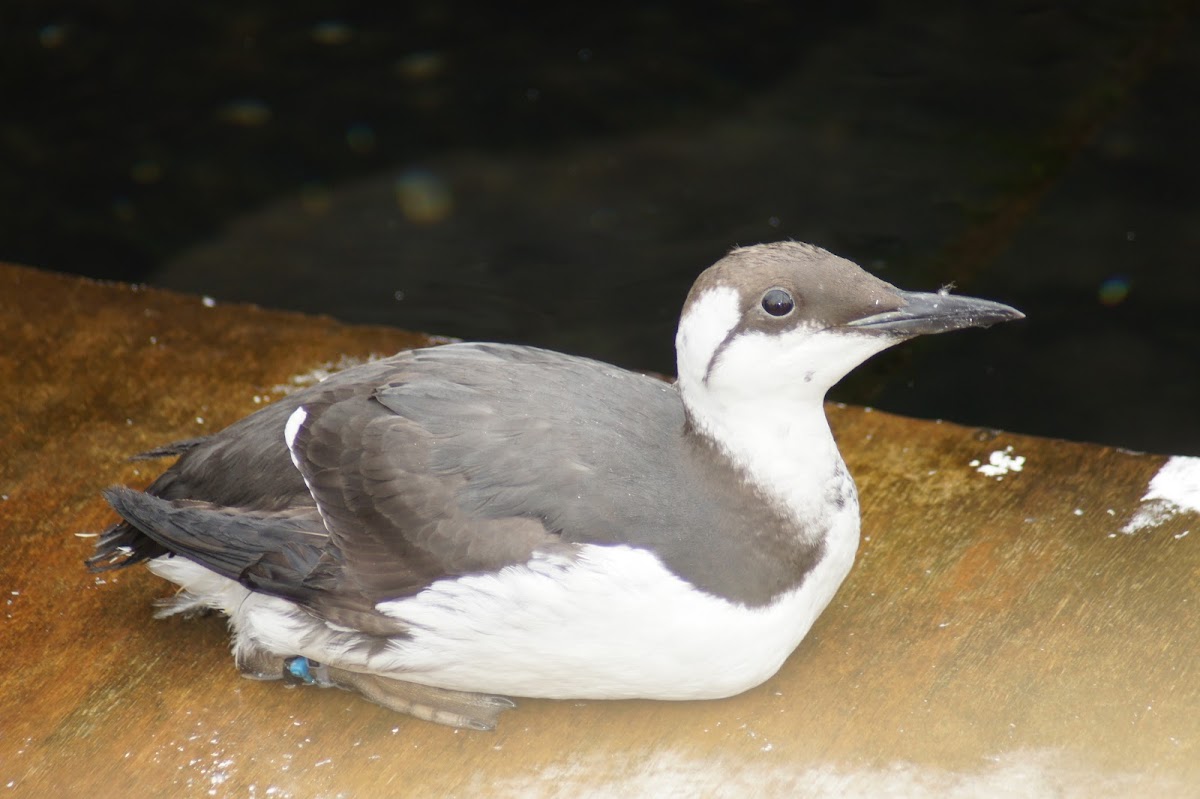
(762,400)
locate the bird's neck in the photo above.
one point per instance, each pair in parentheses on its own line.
(784,447)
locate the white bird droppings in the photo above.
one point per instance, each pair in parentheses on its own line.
(1173,490)
(1000,463)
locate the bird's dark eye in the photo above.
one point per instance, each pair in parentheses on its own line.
(778,302)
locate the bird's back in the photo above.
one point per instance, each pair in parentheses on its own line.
(478,441)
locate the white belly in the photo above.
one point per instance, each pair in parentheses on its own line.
(611,623)
(614,624)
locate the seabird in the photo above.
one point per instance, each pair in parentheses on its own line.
(449,526)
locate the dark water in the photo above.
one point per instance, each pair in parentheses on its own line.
(558,176)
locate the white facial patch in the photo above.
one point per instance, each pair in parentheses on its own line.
(703,327)
(772,379)
(802,363)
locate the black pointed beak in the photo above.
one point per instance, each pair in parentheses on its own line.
(922,313)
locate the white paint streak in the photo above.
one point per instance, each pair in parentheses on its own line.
(1175,489)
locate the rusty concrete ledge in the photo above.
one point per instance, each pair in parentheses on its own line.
(1000,631)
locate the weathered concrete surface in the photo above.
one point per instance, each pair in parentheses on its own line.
(996,635)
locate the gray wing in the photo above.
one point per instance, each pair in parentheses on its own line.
(432,463)
(595,454)
(584,447)
(470,457)
(447,461)
(395,521)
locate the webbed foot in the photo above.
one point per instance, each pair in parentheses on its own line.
(439,705)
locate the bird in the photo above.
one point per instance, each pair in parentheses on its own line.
(453,526)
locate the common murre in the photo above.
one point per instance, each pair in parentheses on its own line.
(453,524)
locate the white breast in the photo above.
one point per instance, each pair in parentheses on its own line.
(612,624)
